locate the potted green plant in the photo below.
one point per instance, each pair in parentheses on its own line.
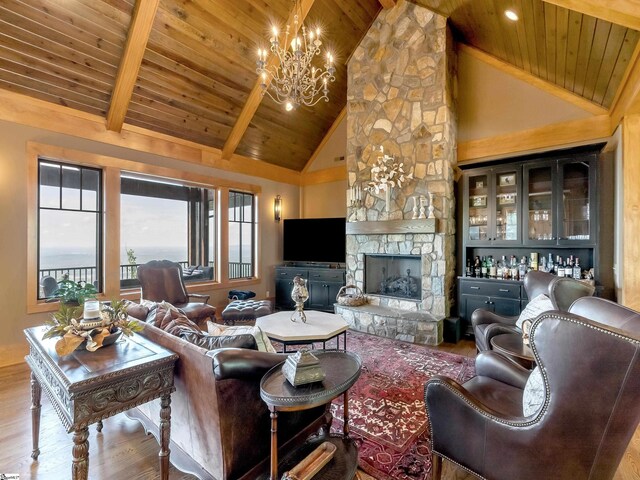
(73,293)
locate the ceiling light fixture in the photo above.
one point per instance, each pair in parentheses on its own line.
(511,15)
(293,80)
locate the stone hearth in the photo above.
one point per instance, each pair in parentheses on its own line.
(401,96)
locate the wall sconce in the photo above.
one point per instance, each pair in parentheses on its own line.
(277,208)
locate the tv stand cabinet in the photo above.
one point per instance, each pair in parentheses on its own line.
(323,283)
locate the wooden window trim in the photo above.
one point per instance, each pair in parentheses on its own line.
(112,168)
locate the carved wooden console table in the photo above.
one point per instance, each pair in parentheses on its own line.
(87,387)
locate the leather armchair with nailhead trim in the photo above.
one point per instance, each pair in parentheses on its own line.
(562,291)
(589,358)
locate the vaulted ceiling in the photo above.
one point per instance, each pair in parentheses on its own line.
(186,68)
(583,54)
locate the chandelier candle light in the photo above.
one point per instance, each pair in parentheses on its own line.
(293,80)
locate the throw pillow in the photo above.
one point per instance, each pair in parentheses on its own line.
(535,307)
(172,319)
(533,395)
(263,342)
(210,342)
(136,310)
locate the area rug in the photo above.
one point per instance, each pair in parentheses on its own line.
(387,416)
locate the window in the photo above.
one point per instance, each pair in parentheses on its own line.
(95,218)
(69,225)
(241,234)
(161,219)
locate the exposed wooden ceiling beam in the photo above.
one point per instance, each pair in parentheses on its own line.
(627,99)
(141,23)
(25,110)
(255,97)
(544,85)
(548,137)
(387,3)
(621,12)
(325,139)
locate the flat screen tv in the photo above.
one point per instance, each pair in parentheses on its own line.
(321,240)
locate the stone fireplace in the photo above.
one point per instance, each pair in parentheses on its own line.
(401,97)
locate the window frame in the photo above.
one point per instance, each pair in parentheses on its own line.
(112,168)
(195,200)
(99,213)
(240,223)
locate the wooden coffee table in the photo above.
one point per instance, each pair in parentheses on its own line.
(87,387)
(511,346)
(319,327)
(342,369)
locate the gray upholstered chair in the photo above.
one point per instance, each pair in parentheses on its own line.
(562,291)
(589,358)
(49,285)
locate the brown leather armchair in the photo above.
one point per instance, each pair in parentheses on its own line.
(589,358)
(161,280)
(562,291)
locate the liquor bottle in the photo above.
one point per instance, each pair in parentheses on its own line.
(477,268)
(493,273)
(514,268)
(503,268)
(568,268)
(468,271)
(484,267)
(577,271)
(560,268)
(543,265)
(522,268)
(550,266)
(534,260)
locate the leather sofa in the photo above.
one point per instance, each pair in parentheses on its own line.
(220,427)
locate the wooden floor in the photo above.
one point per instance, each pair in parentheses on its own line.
(123,450)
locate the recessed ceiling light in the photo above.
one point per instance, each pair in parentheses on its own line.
(511,15)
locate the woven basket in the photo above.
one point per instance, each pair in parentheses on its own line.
(354,298)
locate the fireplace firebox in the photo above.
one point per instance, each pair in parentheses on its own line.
(393,276)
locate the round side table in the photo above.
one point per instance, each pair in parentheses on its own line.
(511,346)
(342,369)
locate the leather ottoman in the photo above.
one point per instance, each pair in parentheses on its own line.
(245,311)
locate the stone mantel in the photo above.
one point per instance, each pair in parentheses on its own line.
(427,225)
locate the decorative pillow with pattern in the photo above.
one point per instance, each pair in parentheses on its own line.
(263,342)
(535,307)
(533,395)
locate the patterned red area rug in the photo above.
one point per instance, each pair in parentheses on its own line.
(387,415)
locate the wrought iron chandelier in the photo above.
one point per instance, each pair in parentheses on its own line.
(294,81)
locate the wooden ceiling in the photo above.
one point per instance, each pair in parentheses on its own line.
(196,73)
(583,54)
(186,68)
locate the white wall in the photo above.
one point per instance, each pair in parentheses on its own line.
(335,147)
(327,200)
(492,102)
(13,224)
(324,200)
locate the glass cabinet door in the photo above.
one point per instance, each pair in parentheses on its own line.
(478,208)
(506,206)
(540,207)
(575,207)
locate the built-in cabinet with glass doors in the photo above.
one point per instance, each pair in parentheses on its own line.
(543,206)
